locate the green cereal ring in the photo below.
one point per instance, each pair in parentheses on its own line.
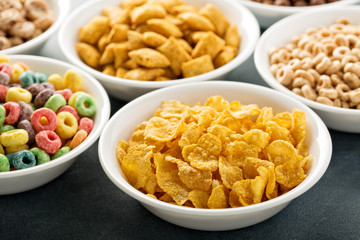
(55,102)
(23,159)
(2,115)
(4,163)
(40,155)
(61,152)
(28,78)
(85,105)
(6,128)
(41,77)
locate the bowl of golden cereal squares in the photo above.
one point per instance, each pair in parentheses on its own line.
(133,47)
(315,58)
(215,155)
(268,12)
(50,113)
(26,25)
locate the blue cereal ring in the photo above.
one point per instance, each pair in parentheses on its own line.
(23,159)
(41,77)
(28,78)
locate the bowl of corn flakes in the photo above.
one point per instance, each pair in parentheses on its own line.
(269,12)
(215,155)
(39,144)
(27,25)
(316,60)
(133,47)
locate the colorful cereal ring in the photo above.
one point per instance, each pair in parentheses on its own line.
(26,125)
(79,137)
(12,112)
(40,155)
(48,141)
(4,163)
(67,125)
(56,80)
(69,109)
(23,159)
(14,137)
(61,152)
(28,78)
(3,92)
(55,102)
(16,94)
(87,124)
(85,105)
(46,113)
(2,115)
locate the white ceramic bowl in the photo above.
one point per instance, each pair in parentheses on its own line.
(26,179)
(269,14)
(60,9)
(279,34)
(122,124)
(125,89)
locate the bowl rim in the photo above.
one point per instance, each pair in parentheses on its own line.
(94,135)
(283,199)
(240,58)
(270,79)
(291,10)
(64,8)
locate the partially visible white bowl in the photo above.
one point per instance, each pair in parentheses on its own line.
(125,89)
(60,9)
(123,122)
(269,14)
(280,34)
(30,178)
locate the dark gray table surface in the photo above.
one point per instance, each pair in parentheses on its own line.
(84,204)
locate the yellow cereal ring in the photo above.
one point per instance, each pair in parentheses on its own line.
(17,94)
(4,58)
(56,80)
(2,151)
(73,80)
(17,70)
(67,125)
(14,149)
(15,137)
(78,138)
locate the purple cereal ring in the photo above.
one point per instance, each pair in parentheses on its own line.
(4,78)
(25,111)
(46,113)
(42,97)
(12,112)
(34,89)
(48,85)
(26,125)
(48,141)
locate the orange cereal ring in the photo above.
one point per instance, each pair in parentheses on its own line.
(78,138)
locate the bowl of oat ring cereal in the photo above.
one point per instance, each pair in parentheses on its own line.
(268,12)
(26,25)
(315,58)
(133,47)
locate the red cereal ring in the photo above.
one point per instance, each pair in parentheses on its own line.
(12,112)
(87,124)
(48,141)
(3,92)
(46,113)
(6,68)
(66,93)
(69,109)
